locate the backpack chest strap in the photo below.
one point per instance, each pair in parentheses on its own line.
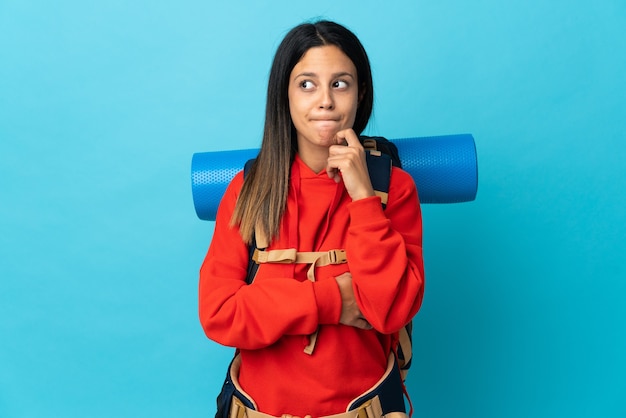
(291,255)
(314,258)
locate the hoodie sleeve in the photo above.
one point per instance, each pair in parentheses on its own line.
(384,250)
(254,316)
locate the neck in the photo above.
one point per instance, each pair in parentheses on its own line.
(316,165)
(315,157)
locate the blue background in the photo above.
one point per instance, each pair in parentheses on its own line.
(102,105)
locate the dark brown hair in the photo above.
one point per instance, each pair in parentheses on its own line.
(263,197)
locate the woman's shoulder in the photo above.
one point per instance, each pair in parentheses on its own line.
(399,177)
(237,180)
(401,184)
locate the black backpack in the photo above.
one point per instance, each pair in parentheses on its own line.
(381,155)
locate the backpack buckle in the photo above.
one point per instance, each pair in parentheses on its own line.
(337,256)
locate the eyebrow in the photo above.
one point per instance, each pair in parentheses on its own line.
(336,75)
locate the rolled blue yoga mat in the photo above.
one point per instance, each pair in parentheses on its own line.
(444,168)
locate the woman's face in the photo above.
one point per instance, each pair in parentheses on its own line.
(323,97)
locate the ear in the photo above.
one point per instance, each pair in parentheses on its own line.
(361,93)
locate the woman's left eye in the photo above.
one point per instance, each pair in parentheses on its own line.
(340,84)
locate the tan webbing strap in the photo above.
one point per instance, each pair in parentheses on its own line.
(384,197)
(287,256)
(396,415)
(290,255)
(319,259)
(407,350)
(311,345)
(370,409)
(314,258)
(370,144)
(405,344)
(237,409)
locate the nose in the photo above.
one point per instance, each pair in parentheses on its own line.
(326,99)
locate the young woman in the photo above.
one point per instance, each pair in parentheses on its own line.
(312,335)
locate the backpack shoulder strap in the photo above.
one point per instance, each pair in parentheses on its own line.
(379,163)
(252,266)
(247,166)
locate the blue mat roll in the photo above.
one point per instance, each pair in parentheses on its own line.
(444,168)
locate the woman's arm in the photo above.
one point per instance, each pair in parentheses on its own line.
(384,251)
(255,316)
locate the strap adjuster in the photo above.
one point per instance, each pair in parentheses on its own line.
(337,257)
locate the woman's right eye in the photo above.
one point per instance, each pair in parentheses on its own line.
(307,84)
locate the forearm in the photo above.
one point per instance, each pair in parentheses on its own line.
(385,258)
(252,316)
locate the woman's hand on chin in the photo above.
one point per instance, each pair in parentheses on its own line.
(346,162)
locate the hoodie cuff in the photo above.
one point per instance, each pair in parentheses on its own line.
(328,300)
(366,211)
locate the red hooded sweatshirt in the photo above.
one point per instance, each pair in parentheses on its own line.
(270,320)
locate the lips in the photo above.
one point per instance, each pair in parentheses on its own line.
(327,124)
(330,122)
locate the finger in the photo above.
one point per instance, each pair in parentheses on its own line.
(340,138)
(348,137)
(363,324)
(333,173)
(341,141)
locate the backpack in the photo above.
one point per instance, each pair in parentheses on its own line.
(381,155)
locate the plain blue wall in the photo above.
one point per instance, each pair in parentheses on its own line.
(102,105)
